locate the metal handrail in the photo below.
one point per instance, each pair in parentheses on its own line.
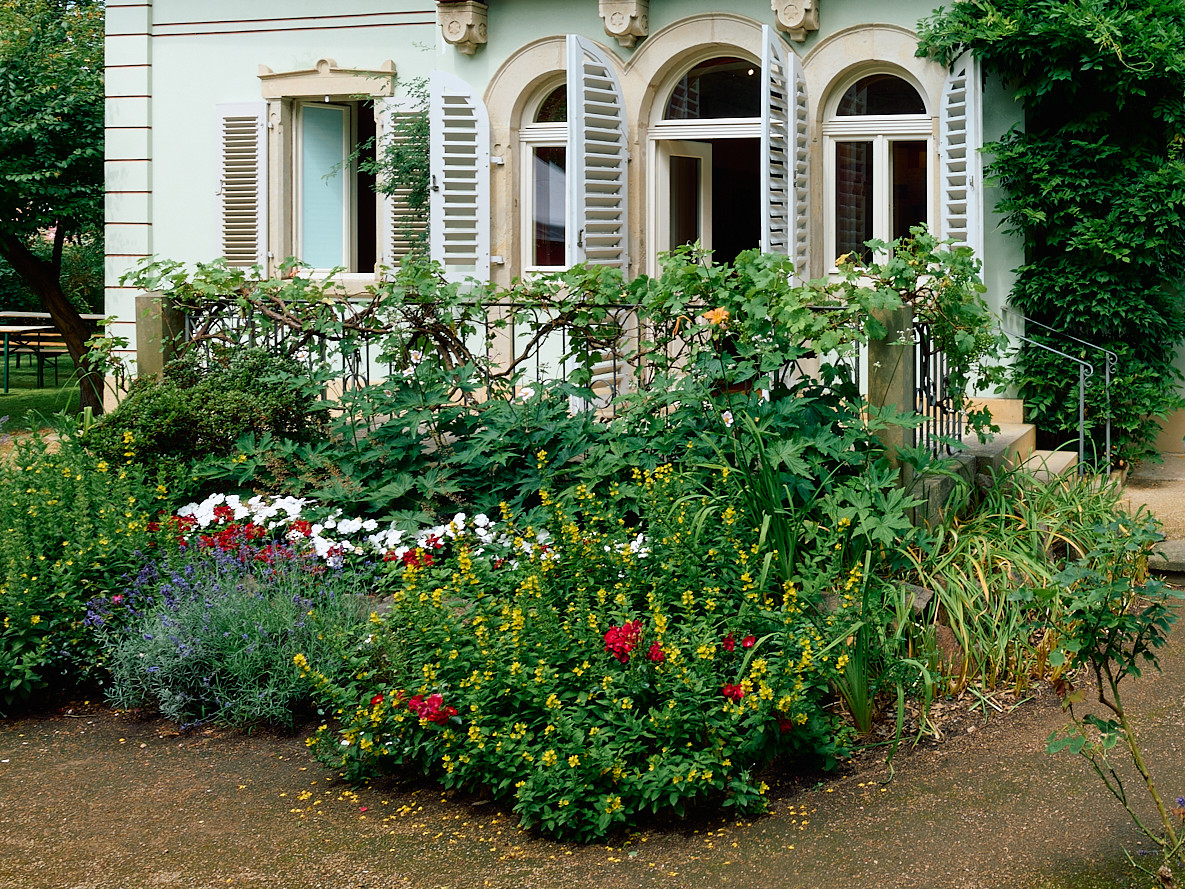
(1109,365)
(1085,369)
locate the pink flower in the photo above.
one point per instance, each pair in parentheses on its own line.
(656,653)
(748,642)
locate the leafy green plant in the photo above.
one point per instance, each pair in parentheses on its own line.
(1111,619)
(200,408)
(73,525)
(1093,184)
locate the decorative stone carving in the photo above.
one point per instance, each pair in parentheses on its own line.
(464,23)
(627,20)
(797,17)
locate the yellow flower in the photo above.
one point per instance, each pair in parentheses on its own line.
(573,760)
(549,758)
(35,619)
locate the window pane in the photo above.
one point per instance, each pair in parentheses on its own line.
(550,205)
(554,109)
(853,197)
(685,200)
(908,162)
(716,88)
(880,94)
(323,186)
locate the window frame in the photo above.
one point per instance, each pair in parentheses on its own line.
(881,130)
(532,135)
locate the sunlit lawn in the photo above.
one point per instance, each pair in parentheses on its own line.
(25,404)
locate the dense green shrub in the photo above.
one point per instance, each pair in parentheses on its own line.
(201,406)
(1094,183)
(71,525)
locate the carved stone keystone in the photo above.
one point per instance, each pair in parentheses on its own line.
(797,17)
(463,23)
(627,20)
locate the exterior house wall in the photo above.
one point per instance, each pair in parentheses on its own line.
(171,63)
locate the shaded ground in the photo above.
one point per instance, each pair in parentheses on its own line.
(95,800)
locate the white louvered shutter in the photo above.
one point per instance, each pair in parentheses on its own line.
(598,158)
(800,170)
(777,144)
(459,201)
(242,183)
(400,228)
(960,132)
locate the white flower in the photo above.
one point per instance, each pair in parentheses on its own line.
(726,416)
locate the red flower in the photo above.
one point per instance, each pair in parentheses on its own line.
(784,725)
(117,599)
(620,641)
(376,700)
(748,642)
(732,692)
(729,643)
(302,527)
(656,654)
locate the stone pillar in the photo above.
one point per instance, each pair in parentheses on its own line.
(891,382)
(159,329)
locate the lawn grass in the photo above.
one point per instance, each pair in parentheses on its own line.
(25,405)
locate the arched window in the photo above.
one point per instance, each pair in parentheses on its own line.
(879,144)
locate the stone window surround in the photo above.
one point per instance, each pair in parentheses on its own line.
(282,90)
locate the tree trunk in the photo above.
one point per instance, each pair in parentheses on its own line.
(42,278)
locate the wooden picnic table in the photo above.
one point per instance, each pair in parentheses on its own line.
(19,334)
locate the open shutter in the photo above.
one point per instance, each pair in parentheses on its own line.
(242,183)
(401,229)
(597,159)
(800,170)
(960,139)
(459,202)
(777,144)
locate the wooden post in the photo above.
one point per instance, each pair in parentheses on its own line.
(159,328)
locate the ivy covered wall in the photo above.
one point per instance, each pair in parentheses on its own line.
(1094,182)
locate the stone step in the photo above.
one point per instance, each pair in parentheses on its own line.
(1007,448)
(1047,464)
(1168,557)
(1003,410)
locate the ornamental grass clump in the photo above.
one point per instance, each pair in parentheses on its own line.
(589,674)
(209,634)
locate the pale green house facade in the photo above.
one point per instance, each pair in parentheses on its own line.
(586,130)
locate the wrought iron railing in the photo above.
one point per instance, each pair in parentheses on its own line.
(509,341)
(1110,362)
(940,414)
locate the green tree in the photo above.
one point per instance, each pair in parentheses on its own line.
(1094,182)
(51,150)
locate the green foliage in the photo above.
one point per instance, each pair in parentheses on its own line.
(81,276)
(198,409)
(51,115)
(1019,532)
(1111,619)
(205,635)
(1095,185)
(589,673)
(72,525)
